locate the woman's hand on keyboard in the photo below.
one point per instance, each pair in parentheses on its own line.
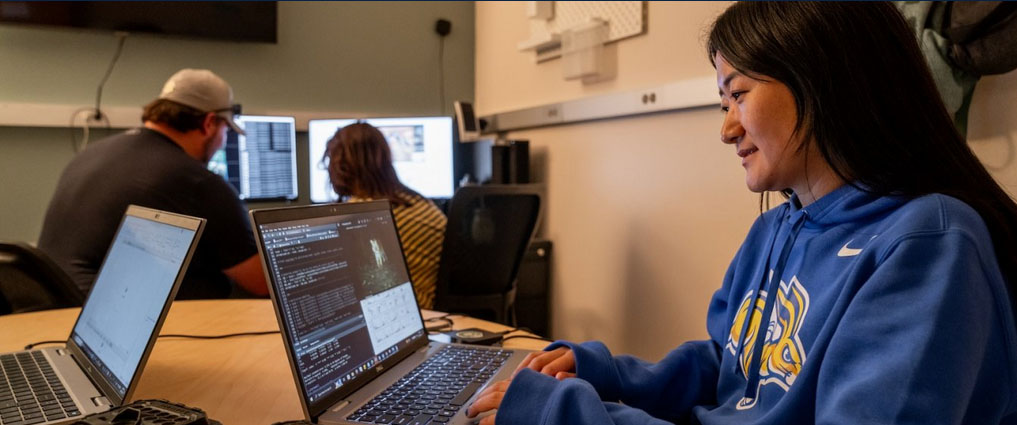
(489,399)
(559,363)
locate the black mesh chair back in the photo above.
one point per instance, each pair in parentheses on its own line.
(31,281)
(489,228)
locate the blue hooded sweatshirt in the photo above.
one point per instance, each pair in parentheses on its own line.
(881,310)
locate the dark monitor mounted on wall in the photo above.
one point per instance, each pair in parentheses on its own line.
(251,21)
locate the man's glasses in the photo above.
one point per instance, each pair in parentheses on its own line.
(234,108)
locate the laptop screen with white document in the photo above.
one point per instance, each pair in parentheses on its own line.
(132,292)
(343,291)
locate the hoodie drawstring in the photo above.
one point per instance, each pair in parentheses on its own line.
(752,385)
(752,304)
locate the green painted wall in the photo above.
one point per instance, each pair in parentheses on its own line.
(374,58)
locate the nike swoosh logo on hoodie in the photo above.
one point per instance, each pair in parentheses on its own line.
(848,252)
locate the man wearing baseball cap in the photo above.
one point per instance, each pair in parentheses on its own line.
(161,165)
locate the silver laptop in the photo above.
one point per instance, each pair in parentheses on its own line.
(99,367)
(350,322)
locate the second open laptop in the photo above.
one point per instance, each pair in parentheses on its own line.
(100,366)
(349,318)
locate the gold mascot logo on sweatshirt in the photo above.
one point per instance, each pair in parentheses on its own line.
(783,354)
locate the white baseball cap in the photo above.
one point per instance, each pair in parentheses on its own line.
(201,89)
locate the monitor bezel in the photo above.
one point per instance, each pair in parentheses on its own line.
(91,369)
(283,214)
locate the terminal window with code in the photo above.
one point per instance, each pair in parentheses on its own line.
(346,295)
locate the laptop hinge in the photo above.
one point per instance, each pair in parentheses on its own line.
(340,405)
(101,401)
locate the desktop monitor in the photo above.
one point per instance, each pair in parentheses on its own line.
(263,164)
(421,153)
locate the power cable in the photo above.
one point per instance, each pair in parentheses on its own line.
(539,338)
(122,37)
(441,76)
(34,344)
(95,115)
(443,27)
(218,336)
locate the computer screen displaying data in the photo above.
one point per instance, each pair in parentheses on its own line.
(344,293)
(421,153)
(262,164)
(128,296)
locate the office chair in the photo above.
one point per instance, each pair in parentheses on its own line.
(489,228)
(31,281)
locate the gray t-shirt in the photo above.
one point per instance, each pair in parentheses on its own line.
(146,168)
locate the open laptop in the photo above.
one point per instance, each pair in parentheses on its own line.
(99,367)
(350,322)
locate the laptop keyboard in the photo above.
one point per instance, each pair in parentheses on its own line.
(434,391)
(30,391)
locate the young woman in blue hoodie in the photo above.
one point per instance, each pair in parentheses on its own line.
(886,280)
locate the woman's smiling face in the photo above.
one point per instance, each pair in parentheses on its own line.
(759,119)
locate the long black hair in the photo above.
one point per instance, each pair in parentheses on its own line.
(866,98)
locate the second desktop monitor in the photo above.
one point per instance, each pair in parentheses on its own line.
(261,165)
(421,153)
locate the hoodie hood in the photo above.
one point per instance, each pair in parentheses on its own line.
(850,203)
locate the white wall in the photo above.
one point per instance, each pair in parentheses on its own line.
(646,212)
(992,127)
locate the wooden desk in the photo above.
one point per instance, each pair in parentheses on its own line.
(242,380)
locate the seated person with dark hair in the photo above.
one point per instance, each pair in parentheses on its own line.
(161,165)
(360,167)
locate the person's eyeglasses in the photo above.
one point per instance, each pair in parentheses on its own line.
(234,108)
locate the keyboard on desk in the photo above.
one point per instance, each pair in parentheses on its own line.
(31,392)
(436,389)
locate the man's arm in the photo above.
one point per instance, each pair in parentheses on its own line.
(249,275)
